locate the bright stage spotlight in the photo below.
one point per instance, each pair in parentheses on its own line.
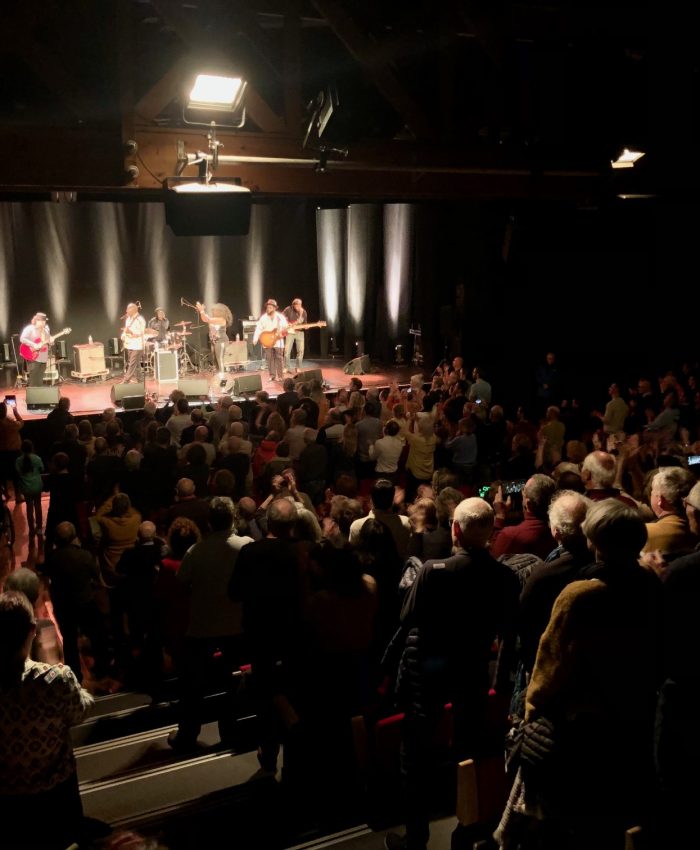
(216,98)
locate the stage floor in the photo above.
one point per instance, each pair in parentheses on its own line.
(94,395)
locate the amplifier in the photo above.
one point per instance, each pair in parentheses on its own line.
(235,352)
(166,367)
(89,358)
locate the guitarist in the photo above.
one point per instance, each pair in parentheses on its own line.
(275,324)
(37,337)
(294,314)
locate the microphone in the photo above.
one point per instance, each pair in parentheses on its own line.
(123,317)
(182,301)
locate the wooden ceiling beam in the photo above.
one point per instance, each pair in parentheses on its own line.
(380,73)
(195,39)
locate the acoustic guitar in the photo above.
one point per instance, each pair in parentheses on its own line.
(269,338)
(33,353)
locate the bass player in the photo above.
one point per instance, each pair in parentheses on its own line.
(271,330)
(295,314)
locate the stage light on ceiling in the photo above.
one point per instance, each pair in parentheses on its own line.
(210,90)
(627,158)
(197,188)
(217,98)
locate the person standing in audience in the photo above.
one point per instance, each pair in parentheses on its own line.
(39,797)
(454,611)
(585,756)
(215,622)
(29,468)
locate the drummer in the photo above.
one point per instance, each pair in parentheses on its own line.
(159,323)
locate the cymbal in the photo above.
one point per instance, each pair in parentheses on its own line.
(182,323)
(184,333)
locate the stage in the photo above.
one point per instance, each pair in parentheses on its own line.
(94,395)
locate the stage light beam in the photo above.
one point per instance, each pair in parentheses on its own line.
(55,258)
(398,249)
(256,251)
(330,250)
(112,242)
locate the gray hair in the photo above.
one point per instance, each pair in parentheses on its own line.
(539,491)
(475,519)
(674,484)
(601,467)
(567,511)
(615,530)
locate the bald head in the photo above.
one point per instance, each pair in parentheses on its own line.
(247,507)
(147,532)
(201,433)
(65,533)
(567,511)
(281,518)
(185,488)
(598,471)
(236,429)
(235,413)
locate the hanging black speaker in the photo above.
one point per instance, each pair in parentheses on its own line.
(208,213)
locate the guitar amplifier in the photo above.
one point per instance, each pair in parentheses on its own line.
(166,367)
(236,352)
(89,358)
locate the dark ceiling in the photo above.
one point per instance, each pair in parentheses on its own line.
(445,99)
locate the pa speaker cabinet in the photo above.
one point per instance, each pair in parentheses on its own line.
(134,402)
(308,375)
(247,384)
(208,214)
(193,388)
(357,366)
(89,358)
(236,352)
(120,392)
(166,367)
(42,397)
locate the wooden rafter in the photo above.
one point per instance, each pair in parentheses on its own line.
(381,74)
(194,38)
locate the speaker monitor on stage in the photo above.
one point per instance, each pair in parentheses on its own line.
(358,365)
(61,349)
(247,384)
(308,375)
(42,397)
(113,346)
(194,388)
(129,396)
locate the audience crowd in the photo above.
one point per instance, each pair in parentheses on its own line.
(380,549)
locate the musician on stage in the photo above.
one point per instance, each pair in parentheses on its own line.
(272,327)
(294,314)
(133,339)
(219,318)
(159,322)
(37,337)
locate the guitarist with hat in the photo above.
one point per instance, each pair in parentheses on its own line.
(271,330)
(35,340)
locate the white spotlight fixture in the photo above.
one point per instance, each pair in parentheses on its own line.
(627,158)
(213,97)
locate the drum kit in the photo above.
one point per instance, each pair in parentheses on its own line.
(175,340)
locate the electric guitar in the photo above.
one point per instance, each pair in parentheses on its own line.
(269,338)
(30,353)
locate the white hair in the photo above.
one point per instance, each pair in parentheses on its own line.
(601,467)
(567,511)
(475,519)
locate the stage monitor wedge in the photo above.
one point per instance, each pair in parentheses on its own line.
(208,213)
(39,398)
(194,388)
(247,384)
(358,366)
(308,375)
(128,396)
